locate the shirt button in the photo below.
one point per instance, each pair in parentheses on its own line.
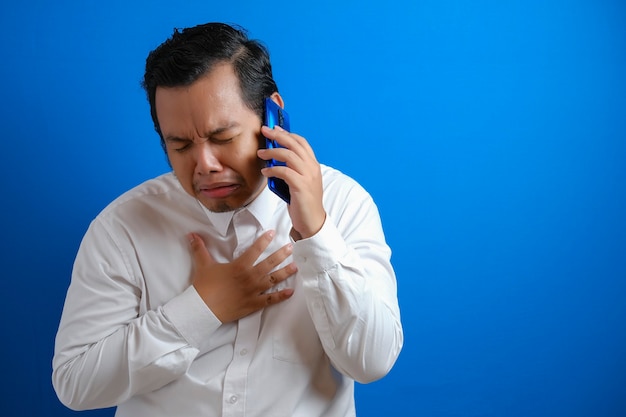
(233,399)
(243,352)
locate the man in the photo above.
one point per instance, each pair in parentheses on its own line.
(202,293)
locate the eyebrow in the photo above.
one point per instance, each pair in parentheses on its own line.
(212,133)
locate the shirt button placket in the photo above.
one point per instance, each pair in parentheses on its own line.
(236,377)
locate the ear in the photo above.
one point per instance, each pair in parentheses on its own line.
(276,98)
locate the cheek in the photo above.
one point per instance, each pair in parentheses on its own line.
(184,169)
(249,168)
(245,157)
(254,165)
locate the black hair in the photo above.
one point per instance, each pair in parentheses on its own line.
(193,52)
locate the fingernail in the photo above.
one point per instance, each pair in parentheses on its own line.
(191,237)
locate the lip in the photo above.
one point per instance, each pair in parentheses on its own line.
(218,190)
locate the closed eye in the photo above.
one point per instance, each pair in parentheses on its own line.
(179,145)
(222,141)
(185,146)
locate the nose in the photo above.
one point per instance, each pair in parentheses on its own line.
(207,161)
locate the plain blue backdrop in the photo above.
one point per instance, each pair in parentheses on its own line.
(492,135)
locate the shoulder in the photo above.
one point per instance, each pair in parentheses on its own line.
(334,178)
(157,187)
(152,196)
(338,184)
(342,193)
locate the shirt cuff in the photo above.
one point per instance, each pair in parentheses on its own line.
(321,251)
(193,319)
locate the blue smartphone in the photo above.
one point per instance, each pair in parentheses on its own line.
(275,115)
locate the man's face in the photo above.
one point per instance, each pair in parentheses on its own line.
(211,138)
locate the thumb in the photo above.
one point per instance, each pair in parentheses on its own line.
(199,252)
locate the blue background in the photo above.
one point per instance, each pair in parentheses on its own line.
(491,134)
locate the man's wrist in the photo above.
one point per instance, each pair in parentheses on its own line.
(297,235)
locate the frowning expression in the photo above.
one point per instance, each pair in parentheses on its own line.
(211,138)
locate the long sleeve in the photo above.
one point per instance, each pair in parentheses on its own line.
(135,334)
(351,286)
(107,348)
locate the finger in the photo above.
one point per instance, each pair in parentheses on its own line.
(276,297)
(199,252)
(283,137)
(275,277)
(294,149)
(304,144)
(258,247)
(268,264)
(280,154)
(270,132)
(290,173)
(293,141)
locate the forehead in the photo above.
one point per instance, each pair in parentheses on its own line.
(212,101)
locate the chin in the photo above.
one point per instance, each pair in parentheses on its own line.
(219,206)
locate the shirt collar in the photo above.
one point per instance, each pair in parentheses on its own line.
(262,208)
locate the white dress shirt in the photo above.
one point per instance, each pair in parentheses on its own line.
(135,333)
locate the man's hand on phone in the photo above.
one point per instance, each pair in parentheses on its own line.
(303,176)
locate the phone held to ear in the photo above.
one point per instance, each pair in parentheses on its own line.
(275,115)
